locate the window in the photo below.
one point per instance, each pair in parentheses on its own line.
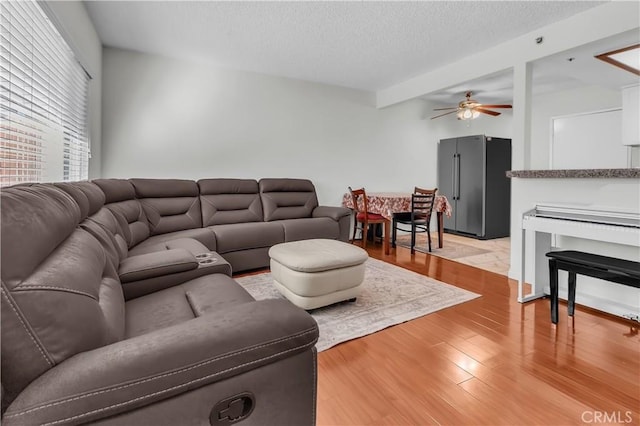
(43,100)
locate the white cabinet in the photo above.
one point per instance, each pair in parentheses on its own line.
(631,115)
(589,140)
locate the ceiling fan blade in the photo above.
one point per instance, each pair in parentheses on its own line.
(486,111)
(444,109)
(446,113)
(496,106)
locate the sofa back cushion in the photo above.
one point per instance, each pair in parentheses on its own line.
(78,196)
(101,222)
(60,293)
(287,198)
(169,204)
(226,201)
(84,190)
(116,226)
(120,198)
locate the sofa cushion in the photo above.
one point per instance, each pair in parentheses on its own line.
(191,245)
(287,198)
(102,222)
(60,293)
(243,236)
(204,236)
(181,303)
(106,239)
(116,190)
(94,194)
(309,228)
(115,224)
(78,196)
(229,201)
(169,204)
(27,239)
(87,195)
(120,197)
(151,265)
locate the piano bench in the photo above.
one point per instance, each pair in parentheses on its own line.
(620,271)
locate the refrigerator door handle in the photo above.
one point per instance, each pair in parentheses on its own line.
(458,178)
(453,177)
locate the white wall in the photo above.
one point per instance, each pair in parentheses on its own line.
(574,101)
(73,22)
(169,118)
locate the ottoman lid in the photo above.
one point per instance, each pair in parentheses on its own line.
(317,255)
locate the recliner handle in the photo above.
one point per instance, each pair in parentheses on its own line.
(233,409)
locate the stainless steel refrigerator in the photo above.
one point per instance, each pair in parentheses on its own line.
(471,174)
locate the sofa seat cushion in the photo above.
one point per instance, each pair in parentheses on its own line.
(181,303)
(153,265)
(189,244)
(200,237)
(244,236)
(309,228)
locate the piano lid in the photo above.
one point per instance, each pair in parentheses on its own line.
(587,213)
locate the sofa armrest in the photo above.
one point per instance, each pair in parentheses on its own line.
(335,213)
(164,363)
(156,264)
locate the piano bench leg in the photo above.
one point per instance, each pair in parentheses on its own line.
(553,283)
(571,301)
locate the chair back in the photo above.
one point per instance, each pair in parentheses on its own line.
(422,202)
(355,195)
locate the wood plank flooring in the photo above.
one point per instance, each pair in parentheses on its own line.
(490,361)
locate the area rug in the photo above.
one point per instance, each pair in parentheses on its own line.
(490,255)
(390,295)
(451,250)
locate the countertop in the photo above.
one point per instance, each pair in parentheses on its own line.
(575,173)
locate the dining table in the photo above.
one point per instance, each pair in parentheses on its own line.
(388,203)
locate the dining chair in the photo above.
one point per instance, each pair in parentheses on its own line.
(419,218)
(363,215)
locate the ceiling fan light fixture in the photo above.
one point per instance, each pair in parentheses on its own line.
(469,109)
(467,114)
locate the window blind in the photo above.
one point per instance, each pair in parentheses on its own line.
(43,100)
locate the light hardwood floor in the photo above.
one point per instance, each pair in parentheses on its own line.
(490,361)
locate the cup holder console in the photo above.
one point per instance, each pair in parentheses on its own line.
(206,259)
(211,262)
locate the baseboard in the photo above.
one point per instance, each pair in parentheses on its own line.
(600,304)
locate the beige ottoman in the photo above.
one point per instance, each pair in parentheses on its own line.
(315,273)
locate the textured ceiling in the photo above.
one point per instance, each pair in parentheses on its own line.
(565,70)
(364,45)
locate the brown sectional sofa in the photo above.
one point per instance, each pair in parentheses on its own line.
(108,315)
(238,218)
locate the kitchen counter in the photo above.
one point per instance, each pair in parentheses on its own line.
(575,173)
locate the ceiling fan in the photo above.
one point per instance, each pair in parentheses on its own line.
(470,109)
